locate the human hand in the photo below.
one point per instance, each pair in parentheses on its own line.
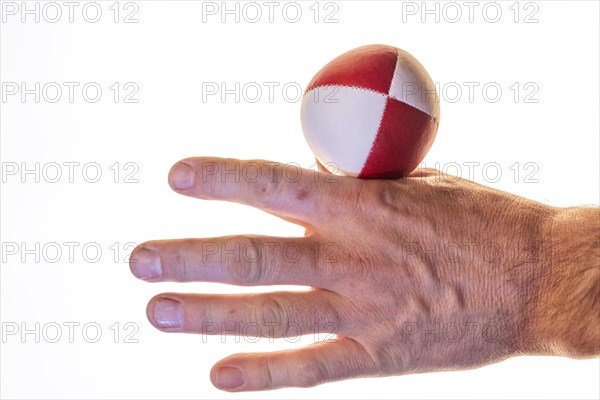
(419,274)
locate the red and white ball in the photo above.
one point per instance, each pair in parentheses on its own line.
(372,112)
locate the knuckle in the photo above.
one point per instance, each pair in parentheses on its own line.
(391,199)
(388,360)
(244,261)
(269,369)
(375,200)
(186,262)
(271,312)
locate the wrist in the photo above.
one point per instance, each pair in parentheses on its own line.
(564,311)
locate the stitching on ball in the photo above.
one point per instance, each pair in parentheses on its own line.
(387,98)
(350,86)
(413,106)
(392,81)
(394,73)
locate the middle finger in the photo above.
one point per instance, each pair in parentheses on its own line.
(239,260)
(275,314)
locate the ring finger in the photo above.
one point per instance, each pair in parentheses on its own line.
(273,315)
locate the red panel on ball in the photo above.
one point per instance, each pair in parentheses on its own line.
(404,137)
(370,67)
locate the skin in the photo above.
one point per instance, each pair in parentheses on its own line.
(425,273)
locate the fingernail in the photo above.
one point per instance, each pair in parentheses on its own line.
(181,176)
(229,377)
(145,264)
(168,313)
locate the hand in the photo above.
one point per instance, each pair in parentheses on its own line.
(419,274)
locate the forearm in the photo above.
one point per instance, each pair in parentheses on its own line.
(565,308)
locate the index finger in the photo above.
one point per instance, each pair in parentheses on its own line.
(282,189)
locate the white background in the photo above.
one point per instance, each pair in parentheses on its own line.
(168,54)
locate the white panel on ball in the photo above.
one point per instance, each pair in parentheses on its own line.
(340,124)
(412,85)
